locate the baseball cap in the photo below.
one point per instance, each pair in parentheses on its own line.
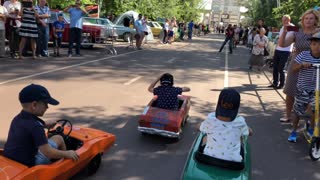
(316,36)
(35,92)
(166,79)
(228,103)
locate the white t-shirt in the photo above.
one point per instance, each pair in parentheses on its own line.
(224,138)
(11,7)
(4,11)
(289,48)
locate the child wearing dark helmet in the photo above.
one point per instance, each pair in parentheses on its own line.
(224,128)
(166,92)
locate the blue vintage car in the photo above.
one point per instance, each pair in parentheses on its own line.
(202,167)
(113,30)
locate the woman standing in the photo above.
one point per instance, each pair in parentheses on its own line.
(29,28)
(309,22)
(260,42)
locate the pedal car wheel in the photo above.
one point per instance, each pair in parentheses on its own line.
(94,165)
(314,150)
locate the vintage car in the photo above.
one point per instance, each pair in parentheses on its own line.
(164,122)
(112,30)
(156,28)
(90,144)
(91,33)
(202,167)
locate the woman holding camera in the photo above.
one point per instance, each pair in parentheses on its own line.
(29,28)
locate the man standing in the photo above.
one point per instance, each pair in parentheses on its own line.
(13,7)
(75,33)
(43,28)
(190,28)
(229,37)
(280,58)
(139,34)
(3,15)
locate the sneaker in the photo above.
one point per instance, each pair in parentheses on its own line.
(58,54)
(272,86)
(69,55)
(310,132)
(293,137)
(78,55)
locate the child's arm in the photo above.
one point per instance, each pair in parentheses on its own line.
(250,131)
(153,84)
(297,67)
(186,89)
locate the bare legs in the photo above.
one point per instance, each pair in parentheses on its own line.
(59,141)
(289,106)
(22,44)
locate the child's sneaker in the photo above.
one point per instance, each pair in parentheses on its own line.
(293,137)
(310,132)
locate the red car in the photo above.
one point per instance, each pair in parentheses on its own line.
(91,33)
(165,122)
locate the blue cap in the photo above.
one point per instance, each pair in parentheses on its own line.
(228,103)
(34,92)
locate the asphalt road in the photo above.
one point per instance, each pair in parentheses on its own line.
(109,93)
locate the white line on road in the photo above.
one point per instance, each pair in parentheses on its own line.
(60,69)
(226,72)
(132,80)
(171,60)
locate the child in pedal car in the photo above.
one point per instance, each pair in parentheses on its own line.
(166,92)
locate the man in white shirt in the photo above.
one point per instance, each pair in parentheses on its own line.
(13,7)
(3,15)
(280,58)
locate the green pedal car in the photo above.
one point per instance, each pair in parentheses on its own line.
(202,167)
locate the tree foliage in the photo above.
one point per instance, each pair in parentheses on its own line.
(181,9)
(268,10)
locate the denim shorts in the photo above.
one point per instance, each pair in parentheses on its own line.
(41,158)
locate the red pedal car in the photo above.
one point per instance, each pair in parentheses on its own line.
(90,144)
(164,122)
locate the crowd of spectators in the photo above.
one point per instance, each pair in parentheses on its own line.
(26,26)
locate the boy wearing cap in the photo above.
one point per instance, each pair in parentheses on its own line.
(27,142)
(306,84)
(224,128)
(167,94)
(58,28)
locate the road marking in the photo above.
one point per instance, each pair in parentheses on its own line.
(171,60)
(226,72)
(132,80)
(61,69)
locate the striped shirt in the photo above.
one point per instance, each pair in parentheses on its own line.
(307,76)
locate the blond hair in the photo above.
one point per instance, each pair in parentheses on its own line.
(310,11)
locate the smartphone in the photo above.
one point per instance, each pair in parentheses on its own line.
(293,28)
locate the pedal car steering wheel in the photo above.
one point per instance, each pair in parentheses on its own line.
(60,129)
